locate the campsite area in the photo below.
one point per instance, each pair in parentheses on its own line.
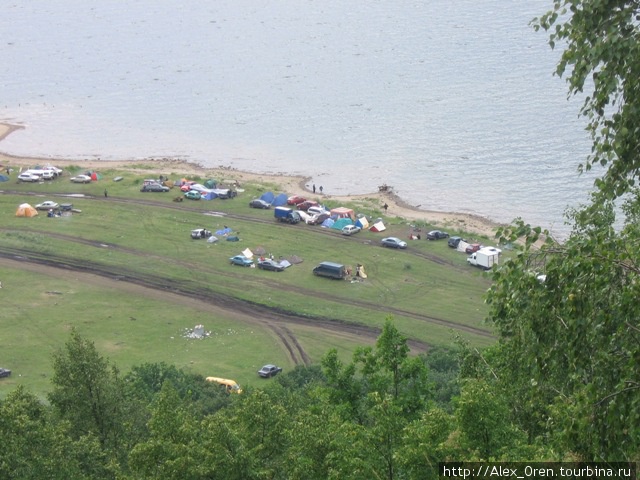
(127,274)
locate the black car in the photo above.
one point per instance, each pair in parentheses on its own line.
(454,242)
(268,264)
(437,235)
(154,187)
(269,371)
(259,203)
(5,373)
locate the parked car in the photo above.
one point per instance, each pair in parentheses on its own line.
(28,177)
(306,204)
(454,241)
(185,187)
(47,205)
(154,187)
(241,260)
(230,386)
(350,229)
(4,372)
(259,203)
(193,195)
(200,233)
(316,210)
(81,179)
(269,371)
(330,270)
(268,264)
(318,219)
(474,247)
(393,242)
(295,199)
(437,235)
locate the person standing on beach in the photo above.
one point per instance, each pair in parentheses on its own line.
(314,188)
(321,189)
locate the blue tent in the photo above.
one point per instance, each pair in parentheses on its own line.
(280,200)
(328,223)
(4,178)
(224,231)
(267,197)
(210,195)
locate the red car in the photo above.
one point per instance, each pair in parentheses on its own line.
(474,247)
(307,204)
(295,200)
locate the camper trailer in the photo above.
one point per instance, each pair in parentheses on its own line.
(485,258)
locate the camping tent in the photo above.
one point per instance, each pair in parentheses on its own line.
(341,222)
(4,178)
(378,227)
(362,222)
(342,212)
(247,253)
(212,239)
(210,183)
(280,200)
(267,197)
(327,223)
(26,210)
(208,195)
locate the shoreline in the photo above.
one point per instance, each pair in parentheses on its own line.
(290,184)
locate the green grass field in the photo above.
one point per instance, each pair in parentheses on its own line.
(427,289)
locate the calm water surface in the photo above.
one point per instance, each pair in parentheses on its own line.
(453,103)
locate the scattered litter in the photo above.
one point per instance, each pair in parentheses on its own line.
(197,332)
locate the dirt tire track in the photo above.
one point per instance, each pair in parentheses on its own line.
(133,276)
(274,319)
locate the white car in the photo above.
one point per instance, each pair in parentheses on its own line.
(316,210)
(81,179)
(350,229)
(48,205)
(28,177)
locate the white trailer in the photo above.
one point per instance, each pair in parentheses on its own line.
(485,258)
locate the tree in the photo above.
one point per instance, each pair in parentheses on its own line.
(570,340)
(88,393)
(602,52)
(34,446)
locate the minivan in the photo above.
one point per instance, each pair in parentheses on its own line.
(330,270)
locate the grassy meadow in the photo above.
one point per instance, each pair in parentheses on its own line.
(151,239)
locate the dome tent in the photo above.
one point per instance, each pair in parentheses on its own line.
(26,210)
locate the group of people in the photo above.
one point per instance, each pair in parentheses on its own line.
(314,188)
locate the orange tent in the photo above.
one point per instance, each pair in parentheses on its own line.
(26,210)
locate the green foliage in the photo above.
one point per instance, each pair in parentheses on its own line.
(34,447)
(569,340)
(87,392)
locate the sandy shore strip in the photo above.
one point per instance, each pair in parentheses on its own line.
(292,185)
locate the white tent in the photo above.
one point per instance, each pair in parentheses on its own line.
(247,253)
(378,227)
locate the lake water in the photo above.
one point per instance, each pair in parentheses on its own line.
(452,103)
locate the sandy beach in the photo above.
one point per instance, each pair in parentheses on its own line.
(291,185)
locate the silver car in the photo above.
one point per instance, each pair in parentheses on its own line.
(393,242)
